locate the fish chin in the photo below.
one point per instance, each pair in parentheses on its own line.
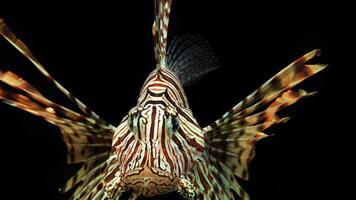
(150,181)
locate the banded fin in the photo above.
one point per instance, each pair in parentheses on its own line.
(160,30)
(86,141)
(231,139)
(289,77)
(92,188)
(17,82)
(92,185)
(23,49)
(215,182)
(190,58)
(87,136)
(86,170)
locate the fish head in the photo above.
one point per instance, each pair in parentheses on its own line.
(159,142)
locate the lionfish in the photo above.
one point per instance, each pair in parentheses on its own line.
(159,147)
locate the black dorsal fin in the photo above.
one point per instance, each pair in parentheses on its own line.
(190,57)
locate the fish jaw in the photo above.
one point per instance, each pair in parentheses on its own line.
(149,182)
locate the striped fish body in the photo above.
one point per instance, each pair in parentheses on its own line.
(159,147)
(157,143)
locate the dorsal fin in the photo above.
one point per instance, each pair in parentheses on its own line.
(190,58)
(160,30)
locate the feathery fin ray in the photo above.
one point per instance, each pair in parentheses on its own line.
(87,136)
(231,139)
(190,58)
(23,49)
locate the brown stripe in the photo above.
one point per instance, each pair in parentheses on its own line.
(121,139)
(144,156)
(153,122)
(174,83)
(202,179)
(191,142)
(133,153)
(181,149)
(127,145)
(163,144)
(187,117)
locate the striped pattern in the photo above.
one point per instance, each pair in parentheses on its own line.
(145,146)
(159,147)
(87,136)
(160,30)
(21,47)
(232,137)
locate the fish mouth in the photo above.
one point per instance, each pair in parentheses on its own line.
(171,195)
(150,181)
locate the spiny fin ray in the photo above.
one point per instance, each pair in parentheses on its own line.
(22,48)
(231,139)
(87,141)
(190,58)
(160,30)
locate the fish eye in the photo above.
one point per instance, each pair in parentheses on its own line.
(171,116)
(132,121)
(173,124)
(129,122)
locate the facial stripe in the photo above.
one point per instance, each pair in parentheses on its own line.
(165,79)
(153,122)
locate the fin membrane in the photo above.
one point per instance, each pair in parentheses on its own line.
(231,139)
(190,58)
(87,136)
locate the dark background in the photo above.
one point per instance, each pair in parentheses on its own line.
(102,52)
